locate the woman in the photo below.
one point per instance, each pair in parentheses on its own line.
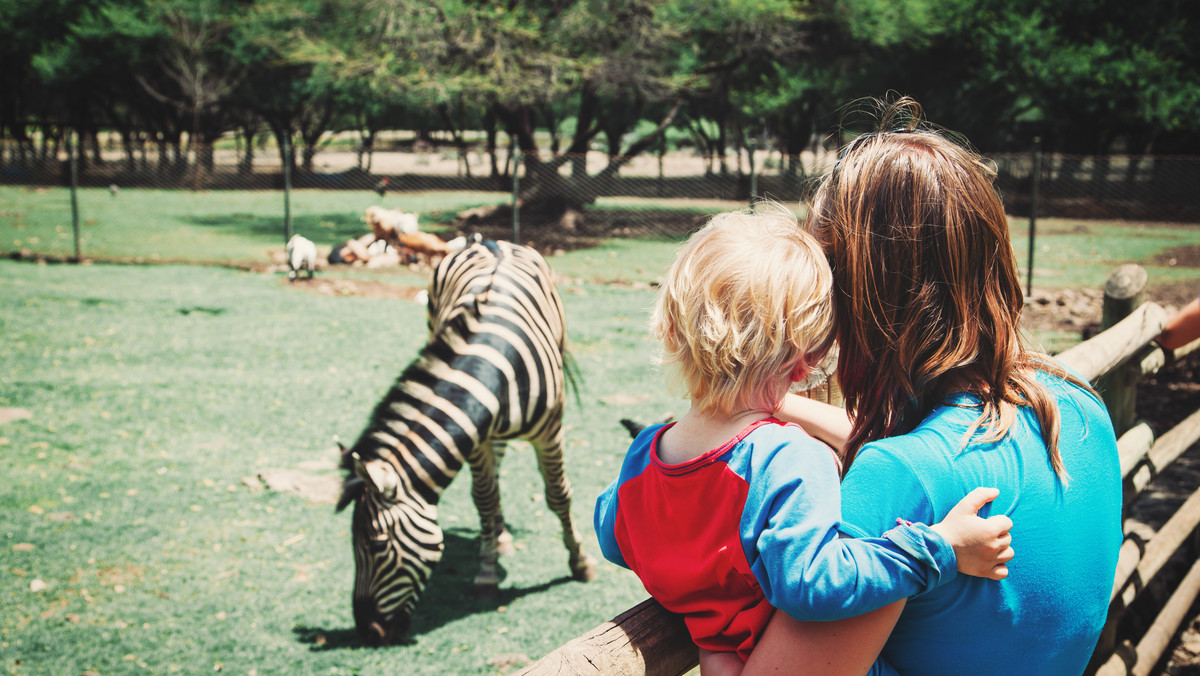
(944,397)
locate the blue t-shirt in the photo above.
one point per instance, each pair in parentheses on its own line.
(1046,616)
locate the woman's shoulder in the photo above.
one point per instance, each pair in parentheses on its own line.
(1066,384)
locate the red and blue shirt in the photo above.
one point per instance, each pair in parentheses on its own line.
(751,526)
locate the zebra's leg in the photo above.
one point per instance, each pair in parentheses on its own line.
(485,490)
(558,499)
(504,539)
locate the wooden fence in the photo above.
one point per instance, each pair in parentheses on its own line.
(647,639)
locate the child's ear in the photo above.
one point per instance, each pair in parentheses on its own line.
(669,336)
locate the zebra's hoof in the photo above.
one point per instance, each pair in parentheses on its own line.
(504,544)
(584,570)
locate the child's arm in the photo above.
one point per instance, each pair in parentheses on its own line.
(604,518)
(826,422)
(981,546)
(1182,328)
(791,537)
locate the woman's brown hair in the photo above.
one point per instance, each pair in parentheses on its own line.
(926,292)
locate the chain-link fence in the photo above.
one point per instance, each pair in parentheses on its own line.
(1119,187)
(144,201)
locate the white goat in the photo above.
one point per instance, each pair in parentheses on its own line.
(301,254)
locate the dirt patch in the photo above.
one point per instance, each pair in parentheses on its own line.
(1187,256)
(1069,310)
(590,229)
(316,488)
(1174,295)
(11,414)
(1080,310)
(367,288)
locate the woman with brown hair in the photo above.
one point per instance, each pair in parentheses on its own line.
(944,396)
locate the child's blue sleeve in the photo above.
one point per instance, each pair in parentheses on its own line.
(790,534)
(604,520)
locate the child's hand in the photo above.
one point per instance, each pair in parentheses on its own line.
(980,545)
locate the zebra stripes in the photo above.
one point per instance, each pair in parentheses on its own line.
(492,371)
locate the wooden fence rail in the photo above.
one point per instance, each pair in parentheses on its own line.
(647,639)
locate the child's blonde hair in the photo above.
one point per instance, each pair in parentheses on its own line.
(745,310)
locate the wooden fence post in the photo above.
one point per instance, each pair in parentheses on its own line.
(645,640)
(1124,292)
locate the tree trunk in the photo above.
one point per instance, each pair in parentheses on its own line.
(585,130)
(246,164)
(457,136)
(490,126)
(366,148)
(127,140)
(548,199)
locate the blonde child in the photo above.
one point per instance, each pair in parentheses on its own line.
(729,513)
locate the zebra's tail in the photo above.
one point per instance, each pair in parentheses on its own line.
(573,376)
(635,427)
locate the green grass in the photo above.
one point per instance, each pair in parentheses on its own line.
(1077,253)
(235,227)
(634,262)
(154,392)
(158,393)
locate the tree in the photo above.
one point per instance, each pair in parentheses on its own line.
(610,66)
(197,69)
(1081,75)
(62,68)
(296,81)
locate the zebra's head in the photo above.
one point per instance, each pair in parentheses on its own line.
(397,544)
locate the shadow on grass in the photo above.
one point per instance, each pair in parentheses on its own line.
(323,229)
(319,638)
(449,596)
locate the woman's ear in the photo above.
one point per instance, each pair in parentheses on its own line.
(814,369)
(799,371)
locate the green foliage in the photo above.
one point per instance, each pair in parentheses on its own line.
(1081,74)
(608,75)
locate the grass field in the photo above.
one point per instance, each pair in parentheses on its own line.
(158,393)
(232,227)
(243,228)
(138,537)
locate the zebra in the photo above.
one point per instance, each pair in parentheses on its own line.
(491,371)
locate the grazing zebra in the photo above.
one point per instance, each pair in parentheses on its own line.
(492,371)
